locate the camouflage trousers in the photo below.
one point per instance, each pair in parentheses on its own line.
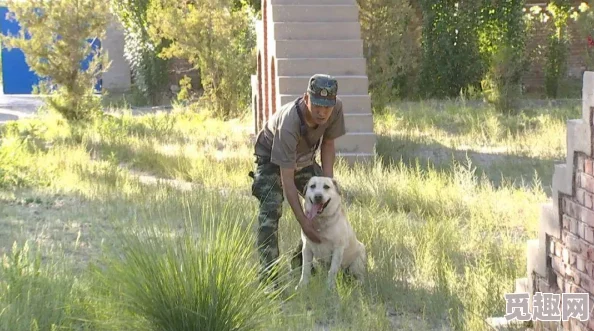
(267,188)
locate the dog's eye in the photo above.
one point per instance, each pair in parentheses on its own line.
(312,186)
(326,187)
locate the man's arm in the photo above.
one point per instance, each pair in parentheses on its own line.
(328,154)
(287,177)
(328,151)
(288,181)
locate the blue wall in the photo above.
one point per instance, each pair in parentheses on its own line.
(17,78)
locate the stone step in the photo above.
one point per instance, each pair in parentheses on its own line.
(351,103)
(346,84)
(358,122)
(313,2)
(311,66)
(315,13)
(356,142)
(350,48)
(316,31)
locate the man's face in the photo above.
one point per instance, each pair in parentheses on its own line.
(319,114)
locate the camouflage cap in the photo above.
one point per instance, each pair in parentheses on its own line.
(322,90)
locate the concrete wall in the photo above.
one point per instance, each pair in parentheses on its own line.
(117,79)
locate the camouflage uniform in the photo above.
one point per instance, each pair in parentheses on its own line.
(267,188)
(286,141)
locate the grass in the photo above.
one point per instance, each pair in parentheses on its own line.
(113,249)
(507,149)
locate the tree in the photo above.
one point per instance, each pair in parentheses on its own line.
(215,36)
(60,35)
(390,43)
(148,69)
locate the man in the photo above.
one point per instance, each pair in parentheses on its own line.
(285,152)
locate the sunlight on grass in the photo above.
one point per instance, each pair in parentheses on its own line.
(519,149)
(445,242)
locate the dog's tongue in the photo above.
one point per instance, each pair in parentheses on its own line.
(313,211)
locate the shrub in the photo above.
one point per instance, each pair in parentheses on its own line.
(197,276)
(451,60)
(501,85)
(555,54)
(149,71)
(558,47)
(216,37)
(391,47)
(502,47)
(60,32)
(585,33)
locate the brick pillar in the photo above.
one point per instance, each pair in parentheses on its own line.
(273,96)
(266,72)
(562,259)
(259,105)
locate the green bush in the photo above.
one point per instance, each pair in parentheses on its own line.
(59,34)
(585,33)
(218,38)
(149,71)
(451,60)
(197,276)
(502,83)
(391,48)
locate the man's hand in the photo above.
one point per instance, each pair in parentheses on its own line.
(310,231)
(288,181)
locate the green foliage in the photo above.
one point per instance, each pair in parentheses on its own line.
(34,297)
(60,32)
(218,40)
(501,25)
(185,85)
(391,46)
(149,71)
(556,68)
(503,51)
(199,276)
(450,60)
(502,83)
(585,33)
(467,45)
(555,18)
(439,242)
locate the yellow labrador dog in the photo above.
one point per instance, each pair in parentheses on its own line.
(339,247)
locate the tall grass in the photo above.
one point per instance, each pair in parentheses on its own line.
(199,276)
(445,242)
(38,297)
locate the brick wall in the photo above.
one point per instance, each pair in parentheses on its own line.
(562,259)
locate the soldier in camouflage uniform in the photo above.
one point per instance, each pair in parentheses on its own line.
(285,153)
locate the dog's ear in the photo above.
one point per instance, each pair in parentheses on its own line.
(336,187)
(305,187)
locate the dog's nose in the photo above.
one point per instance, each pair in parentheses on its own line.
(318,198)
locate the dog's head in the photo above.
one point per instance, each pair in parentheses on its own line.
(322,196)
